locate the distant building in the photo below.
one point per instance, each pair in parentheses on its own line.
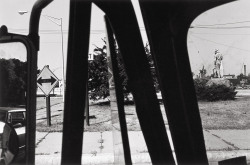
(233,79)
(243,82)
(230,76)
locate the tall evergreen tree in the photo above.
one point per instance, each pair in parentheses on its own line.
(98,73)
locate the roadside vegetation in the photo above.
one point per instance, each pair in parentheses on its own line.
(213,92)
(13,85)
(98,86)
(219,108)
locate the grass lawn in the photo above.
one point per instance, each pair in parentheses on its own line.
(100,118)
(233,114)
(56,120)
(41,102)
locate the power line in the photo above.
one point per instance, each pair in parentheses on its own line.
(221,43)
(59,42)
(222,33)
(46,31)
(51,42)
(207,27)
(54,32)
(228,23)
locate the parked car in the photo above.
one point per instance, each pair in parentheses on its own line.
(16,118)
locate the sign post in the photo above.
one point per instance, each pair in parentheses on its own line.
(47,81)
(48,110)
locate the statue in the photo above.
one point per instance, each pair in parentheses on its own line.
(218,67)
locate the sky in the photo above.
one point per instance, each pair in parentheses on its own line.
(15,50)
(226,28)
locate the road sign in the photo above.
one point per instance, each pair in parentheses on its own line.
(46,80)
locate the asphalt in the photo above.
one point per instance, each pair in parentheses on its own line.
(220,145)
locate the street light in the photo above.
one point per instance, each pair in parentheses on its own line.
(21,12)
(52,19)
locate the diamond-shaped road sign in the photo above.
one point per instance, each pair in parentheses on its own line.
(46,80)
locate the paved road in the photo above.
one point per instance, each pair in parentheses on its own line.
(243,92)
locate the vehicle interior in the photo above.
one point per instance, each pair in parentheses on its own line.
(167,23)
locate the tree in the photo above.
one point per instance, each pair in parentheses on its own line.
(248,78)
(241,76)
(242,79)
(122,73)
(13,75)
(203,72)
(152,66)
(98,73)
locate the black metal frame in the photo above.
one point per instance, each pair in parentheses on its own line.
(167,23)
(76,76)
(119,94)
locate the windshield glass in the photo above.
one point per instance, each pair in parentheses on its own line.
(219,55)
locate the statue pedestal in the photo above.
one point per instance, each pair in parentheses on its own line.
(218,81)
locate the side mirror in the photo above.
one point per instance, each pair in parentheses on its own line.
(9,144)
(18,65)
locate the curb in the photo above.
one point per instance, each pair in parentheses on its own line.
(222,155)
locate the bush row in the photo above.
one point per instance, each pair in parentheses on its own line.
(213,92)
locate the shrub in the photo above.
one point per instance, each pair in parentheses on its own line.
(213,92)
(220,92)
(200,88)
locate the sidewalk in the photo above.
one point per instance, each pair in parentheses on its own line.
(220,144)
